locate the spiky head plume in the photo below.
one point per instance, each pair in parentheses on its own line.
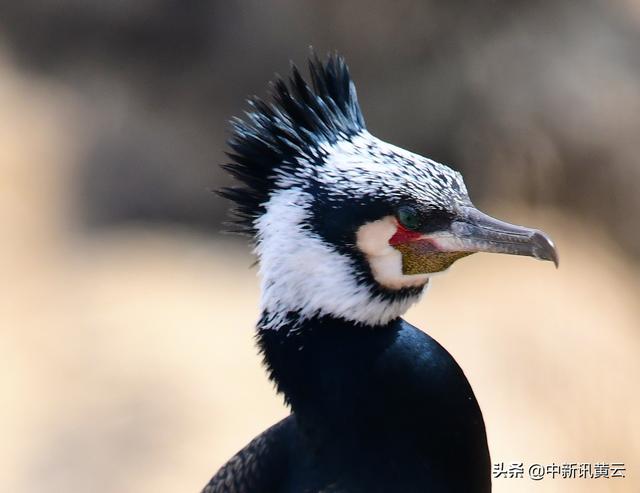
(277,136)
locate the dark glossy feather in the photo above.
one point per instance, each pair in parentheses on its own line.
(259,467)
(379,410)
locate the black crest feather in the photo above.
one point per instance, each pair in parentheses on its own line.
(274,136)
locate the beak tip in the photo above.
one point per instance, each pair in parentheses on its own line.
(545,248)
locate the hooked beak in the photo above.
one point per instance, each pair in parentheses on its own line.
(472,231)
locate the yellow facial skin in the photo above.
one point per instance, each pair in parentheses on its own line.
(419,257)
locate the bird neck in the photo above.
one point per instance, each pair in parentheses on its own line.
(389,393)
(342,375)
(319,363)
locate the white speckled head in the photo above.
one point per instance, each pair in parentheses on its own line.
(323,241)
(321,201)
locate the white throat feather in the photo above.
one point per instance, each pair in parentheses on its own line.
(302,273)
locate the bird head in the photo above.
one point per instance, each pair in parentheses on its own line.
(345,224)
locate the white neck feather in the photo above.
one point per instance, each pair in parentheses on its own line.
(302,273)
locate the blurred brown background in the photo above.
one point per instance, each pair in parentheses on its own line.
(127,360)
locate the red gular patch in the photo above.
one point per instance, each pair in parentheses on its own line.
(403,235)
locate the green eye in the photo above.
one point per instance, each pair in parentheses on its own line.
(408,217)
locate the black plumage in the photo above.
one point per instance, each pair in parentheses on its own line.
(373,410)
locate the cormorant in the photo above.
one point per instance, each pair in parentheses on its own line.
(348,231)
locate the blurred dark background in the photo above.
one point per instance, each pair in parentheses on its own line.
(535,101)
(126,342)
